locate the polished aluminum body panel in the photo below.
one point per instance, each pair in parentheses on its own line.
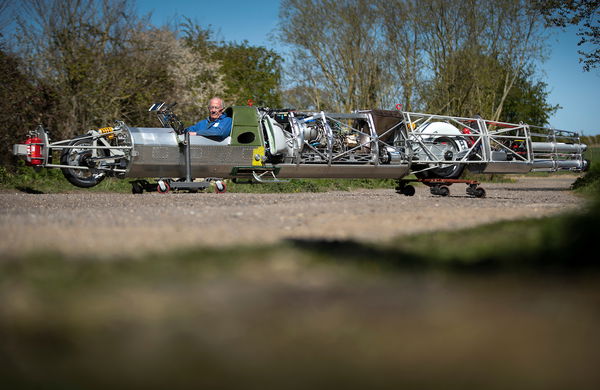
(159,152)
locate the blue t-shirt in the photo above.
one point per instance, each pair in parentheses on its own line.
(218,129)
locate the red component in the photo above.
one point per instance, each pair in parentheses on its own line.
(163,187)
(34,151)
(220,187)
(470,140)
(250,102)
(399,106)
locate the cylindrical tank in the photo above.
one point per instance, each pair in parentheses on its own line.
(34,151)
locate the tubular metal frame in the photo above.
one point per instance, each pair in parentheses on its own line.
(495,146)
(493,142)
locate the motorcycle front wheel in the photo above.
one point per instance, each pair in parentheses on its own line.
(81,157)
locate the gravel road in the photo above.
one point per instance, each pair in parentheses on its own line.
(107,223)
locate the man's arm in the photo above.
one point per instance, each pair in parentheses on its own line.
(221,128)
(198,127)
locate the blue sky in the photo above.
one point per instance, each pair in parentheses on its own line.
(578,92)
(234,20)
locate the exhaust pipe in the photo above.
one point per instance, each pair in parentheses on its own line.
(558,147)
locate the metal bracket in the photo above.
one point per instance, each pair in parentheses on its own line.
(259,177)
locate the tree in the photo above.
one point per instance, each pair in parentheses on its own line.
(81,49)
(404,50)
(21,103)
(336,46)
(250,72)
(475,50)
(466,83)
(104,63)
(4,14)
(527,101)
(456,57)
(245,71)
(196,78)
(582,13)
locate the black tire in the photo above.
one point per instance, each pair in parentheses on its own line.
(440,190)
(408,190)
(442,173)
(137,188)
(83,178)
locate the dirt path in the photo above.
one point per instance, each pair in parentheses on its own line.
(108,223)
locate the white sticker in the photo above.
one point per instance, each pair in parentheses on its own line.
(216,124)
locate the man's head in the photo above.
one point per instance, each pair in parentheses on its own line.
(215,108)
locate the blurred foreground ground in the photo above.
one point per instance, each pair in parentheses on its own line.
(295,312)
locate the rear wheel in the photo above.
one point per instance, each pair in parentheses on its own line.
(446,149)
(81,156)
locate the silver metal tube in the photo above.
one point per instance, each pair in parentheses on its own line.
(558,164)
(81,167)
(52,146)
(188,158)
(558,147)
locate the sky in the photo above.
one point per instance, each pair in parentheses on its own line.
(233,20)
(577,92)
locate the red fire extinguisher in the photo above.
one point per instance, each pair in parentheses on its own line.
(34,151)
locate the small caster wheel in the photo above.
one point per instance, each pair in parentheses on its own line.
(444,191)
(479,192)
(408,190)
(163,187)
(440,190)
(220,187)
(137,187)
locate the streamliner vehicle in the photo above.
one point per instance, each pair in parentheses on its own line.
(271,145)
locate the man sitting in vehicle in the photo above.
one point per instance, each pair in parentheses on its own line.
(217,126)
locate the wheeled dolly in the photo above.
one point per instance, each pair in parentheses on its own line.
(440,187)
(165,185)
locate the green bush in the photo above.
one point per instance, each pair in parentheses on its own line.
(589,183)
